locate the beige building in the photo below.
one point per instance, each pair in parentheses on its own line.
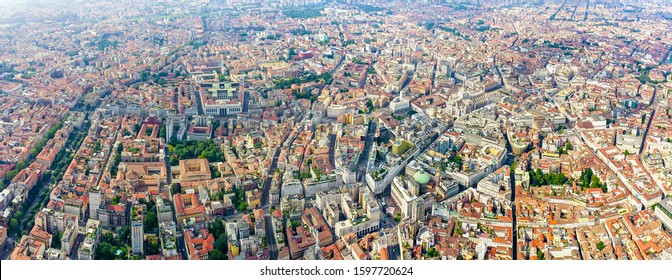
(194,171)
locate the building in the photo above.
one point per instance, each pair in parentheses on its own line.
(74,206)
(491,158)
(399,104)
(226,90)
(253,198)
(200,128)
(664,212)
(291,187)
(401,147)
(301,239)
(274,193)
(163,211)
(69,237)
(87,249)
(167,232)
(6,197)
(145,175)
(406,195)
(198,246)
(3,237)
(447,188)
(53,221)
(29,248)
(496,184)
(137,230)
(40,234)
(237,230)
(519,143)
(145,149)
(94,202)
(194,171)
(113,216)
(380,178)
(224,99)
(199,133)
(222,208)
(311,187)
(219,108)
(55,254)
(189,210)
(358,207)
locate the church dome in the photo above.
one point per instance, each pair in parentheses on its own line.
(421,177)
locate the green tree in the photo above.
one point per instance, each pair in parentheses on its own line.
(456,160)
(295,224)
(34,151)
(176,188)
(113,170)
(242,207)
(432,252)
(216,173)
(56,240)
(369,104)
(217,228)
(13,224)
(152,246)
(595,182)
(173,161)
(151,222)
(103,251)
(562,151)
(601,246)
(538,178)
(589,180)
(195,149)
(11,174)
(216,254)
(221,243)
(162,132)
(514,165)
(18,215)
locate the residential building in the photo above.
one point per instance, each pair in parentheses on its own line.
(137,230)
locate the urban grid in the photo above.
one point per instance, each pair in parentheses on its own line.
(336,130)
